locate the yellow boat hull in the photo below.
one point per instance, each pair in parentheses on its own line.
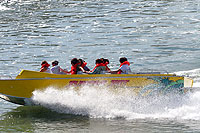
(28,81)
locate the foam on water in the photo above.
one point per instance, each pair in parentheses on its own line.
(102,102)
(98,102)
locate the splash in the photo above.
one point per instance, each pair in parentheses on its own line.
(90,101)
(102,102)
(193,74)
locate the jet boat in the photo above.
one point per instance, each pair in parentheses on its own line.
(20,90)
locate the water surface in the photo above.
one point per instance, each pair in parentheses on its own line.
(154,35)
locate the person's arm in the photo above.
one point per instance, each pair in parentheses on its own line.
(65,71)
(92,72)
(86,68)
(82,69)
(107,68)
(115,72)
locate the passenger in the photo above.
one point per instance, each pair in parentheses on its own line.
(56,69)
(124,67)
(75,67)
(83,65)
(99,68)
(106,62)
(45,67)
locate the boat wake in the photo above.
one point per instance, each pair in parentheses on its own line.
(101,102)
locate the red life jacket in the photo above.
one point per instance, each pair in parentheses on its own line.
(124,63)
(106,63)
(97,65)
(84,64)
(74,69)
(45,65)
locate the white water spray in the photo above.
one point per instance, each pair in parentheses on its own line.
(193,74)
(102,102)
